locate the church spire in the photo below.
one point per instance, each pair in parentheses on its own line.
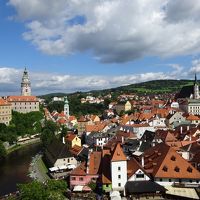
(195,79)
(25,84)
(196,88)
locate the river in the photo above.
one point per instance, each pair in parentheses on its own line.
(14,169)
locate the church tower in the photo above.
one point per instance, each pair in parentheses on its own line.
(66,107)
(25,84)
(196,88)
(118,169)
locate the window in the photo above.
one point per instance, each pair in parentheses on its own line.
(119,168)
(176,169)
(173,158)
(81,179)
(189,169)
(160,179)
(119,184)
(119,176)
(170,180)
(73,178)
(165,169)
(139,175)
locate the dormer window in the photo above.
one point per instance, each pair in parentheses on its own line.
(165,168)
(173,158)
(176,169)
(189,169)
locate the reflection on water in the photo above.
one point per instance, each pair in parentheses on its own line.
(14,169)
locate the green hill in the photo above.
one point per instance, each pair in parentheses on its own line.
(149,87)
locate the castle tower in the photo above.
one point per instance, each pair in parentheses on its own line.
(118,169)
(66,107)
(196,88)
(25,84)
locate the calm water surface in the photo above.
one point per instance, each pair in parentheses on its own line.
(14,169)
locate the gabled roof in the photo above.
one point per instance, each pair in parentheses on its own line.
(185,92)
(118,154)
(163,161)
(57,150)
(133,166)
(94,162)
(80,170)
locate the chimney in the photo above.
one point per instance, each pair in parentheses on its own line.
(122,139)
(142,161)
(63,140)
(181,129)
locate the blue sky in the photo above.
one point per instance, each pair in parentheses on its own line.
(85,44)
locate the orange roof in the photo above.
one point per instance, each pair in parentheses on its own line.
(163,161)
(62,121)
(4,103)
(192,118)
(118,154)
(71,118)
(75,150)
(22,98)
(95,127)
(70,137)
(94,162)
(80,170)
(133,166)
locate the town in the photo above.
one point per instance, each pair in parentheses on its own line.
(140,147)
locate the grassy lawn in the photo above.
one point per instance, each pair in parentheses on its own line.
(42,168)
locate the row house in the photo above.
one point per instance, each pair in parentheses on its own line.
(86,172)
(5,112)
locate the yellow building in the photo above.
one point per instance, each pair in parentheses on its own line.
(123,107)
(72,140)
(5,112)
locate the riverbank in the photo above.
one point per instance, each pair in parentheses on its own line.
(38,170)
(22,145)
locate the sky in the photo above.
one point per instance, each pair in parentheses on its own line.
(82,45)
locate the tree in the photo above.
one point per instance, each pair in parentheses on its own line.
(52,190)
(57,185)
(47,136)
(33,190)
(2,150)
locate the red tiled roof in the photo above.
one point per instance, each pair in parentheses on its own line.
(133,166)
(80,170)
(118,154)
(22,98)
(70,137)
(94,162)
(4,103)
(163,161)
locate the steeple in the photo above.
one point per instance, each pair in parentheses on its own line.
(195,79)
(196,88)
(25,84)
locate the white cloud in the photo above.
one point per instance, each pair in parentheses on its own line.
(195,66)
(114,30)
(43,83)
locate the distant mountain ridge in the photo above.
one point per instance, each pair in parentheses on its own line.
(149,87)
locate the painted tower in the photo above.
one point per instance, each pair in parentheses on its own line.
(25,84)
(118,169)
(196,88)
(66,107)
